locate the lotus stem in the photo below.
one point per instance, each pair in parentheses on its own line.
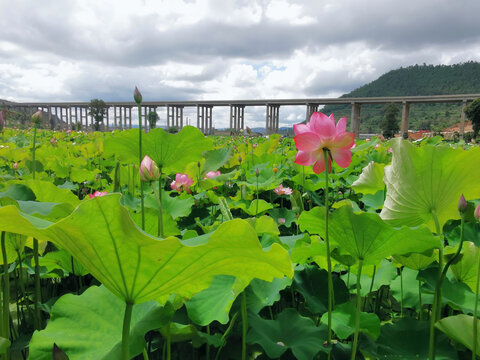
(140,158)
(6,292)
(329,260)
(126,331)
(420,305)
(38,295)
(475,313)
(169,342)
(223,340)
(357,313)
(158,195)
(244,325)
(401,293)
(34,166)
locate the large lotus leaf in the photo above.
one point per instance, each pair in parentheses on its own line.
(89,326)
(262,293)
(80,175)
(312,283)
(13,242)
(465,270)
(45,191)
(429,179)
(171,152)
(370,180)
(177,206)
(215,159)
(410,289)
(384,274)
(215,302)
(366,236)
(4,345)
(456,294)
(407,339)
(62,260)
(460,329)
(415,261)
(343,321)
(264,224)
(18,192)
(288,331)
(137,267)
(151,222)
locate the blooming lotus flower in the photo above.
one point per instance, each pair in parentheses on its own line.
(148,170)
(281,221)
(212,174)
(282,190)
(321,133)
(97,194)
(181,182)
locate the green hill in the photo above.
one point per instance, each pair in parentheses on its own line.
(412,81)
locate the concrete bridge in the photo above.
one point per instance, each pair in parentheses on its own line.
(72,113)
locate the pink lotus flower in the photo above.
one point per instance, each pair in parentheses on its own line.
(282,190)
(390,150)
(281,221)
(148,169)
(321,133)
(212,174)
(181,182)
(97,194)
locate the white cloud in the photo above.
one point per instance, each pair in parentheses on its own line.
(223,49)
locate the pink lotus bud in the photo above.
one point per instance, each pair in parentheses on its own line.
(239,159)
(390,150)
(148,170)
(257,173)
(477,212)
(37,117)
(15,166)
(281,221)
(97,194)
(137,96)
(462,205)
(254,146)
(53,141)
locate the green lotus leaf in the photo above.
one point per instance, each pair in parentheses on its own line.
(80,175)
(288,331)
(430,179)
(410,289)
(262,293)
(137,267)
(61,259)
(366,236)
(343,321)
(89,326)
(215,302)
(371,179)
(171,152)
(407,339)
(415,261)
(264,224)
(460,329)
(45,191)
(177,206)
(311,282)
(215,159)
(284,214)
(385,272)
(465,270)
(4,345)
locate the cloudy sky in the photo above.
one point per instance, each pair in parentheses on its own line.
(77,50)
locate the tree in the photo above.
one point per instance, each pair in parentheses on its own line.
(389,124)
(97,110)
(152,119)
(472,112)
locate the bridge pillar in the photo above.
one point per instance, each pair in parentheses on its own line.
(311,108)
(405,116)
(462,118)
(204,119)
(272,119)
(175,116)
(237,115)
(355,124)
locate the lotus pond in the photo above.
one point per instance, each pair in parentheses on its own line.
(247,255)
